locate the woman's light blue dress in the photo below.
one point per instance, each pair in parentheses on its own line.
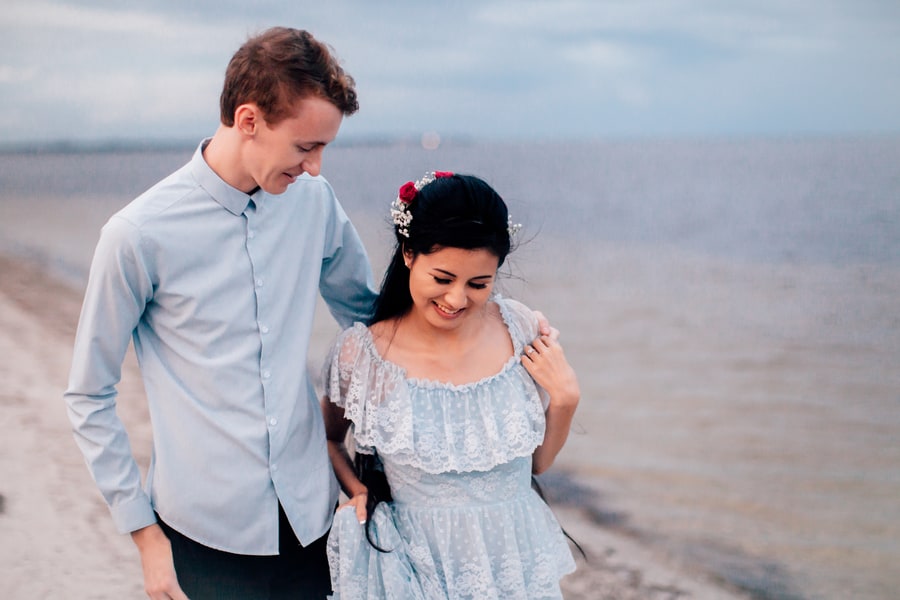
(465,522)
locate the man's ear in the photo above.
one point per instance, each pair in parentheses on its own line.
(248,118)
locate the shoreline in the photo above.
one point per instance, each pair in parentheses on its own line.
(58,538)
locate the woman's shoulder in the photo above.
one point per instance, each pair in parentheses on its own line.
(352,363)
(349,345)
(512,305)
(520,319)
(355,332)
(381,335)
(366,344)
(382,329)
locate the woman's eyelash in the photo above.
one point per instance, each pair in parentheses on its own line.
(443,281)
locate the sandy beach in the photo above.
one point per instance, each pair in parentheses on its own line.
(56,537)
(735,331)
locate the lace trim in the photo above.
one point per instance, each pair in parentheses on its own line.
(436,426)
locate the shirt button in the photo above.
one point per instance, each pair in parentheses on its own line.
(251,234)
(273,421)
(264,329)
(266,374)
(259,282)
(274,467)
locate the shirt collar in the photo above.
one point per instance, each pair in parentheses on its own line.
(232,199)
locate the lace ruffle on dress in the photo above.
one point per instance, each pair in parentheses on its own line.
(465,522)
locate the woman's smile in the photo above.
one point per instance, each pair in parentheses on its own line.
(446,311)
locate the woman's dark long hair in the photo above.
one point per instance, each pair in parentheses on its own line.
(370,472)
(460,211)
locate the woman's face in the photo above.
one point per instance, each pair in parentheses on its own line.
(451,285)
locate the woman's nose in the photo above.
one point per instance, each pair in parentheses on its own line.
(456,296)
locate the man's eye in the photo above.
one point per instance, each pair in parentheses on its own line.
(305,149)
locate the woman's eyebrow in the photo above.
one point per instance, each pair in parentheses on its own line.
(449,274)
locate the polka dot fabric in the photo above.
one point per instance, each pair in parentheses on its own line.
(465,522)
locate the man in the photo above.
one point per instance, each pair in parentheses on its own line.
(213,273)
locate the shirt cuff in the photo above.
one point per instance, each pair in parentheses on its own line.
(132,515)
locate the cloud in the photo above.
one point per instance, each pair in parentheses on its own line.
(55,16)
(603,55)
(495,68)
(17,75)
(47,17)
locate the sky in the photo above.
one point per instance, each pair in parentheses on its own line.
(113,70)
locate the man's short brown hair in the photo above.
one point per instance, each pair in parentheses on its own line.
(280,66)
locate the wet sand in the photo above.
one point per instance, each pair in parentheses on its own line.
(56,537)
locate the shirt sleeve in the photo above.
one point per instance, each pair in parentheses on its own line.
(118,289)
(346,282)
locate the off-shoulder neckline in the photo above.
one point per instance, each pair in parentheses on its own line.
(426,383)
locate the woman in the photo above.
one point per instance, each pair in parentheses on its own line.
(460,401)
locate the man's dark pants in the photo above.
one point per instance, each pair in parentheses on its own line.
(297,572)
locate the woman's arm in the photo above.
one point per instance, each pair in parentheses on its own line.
(546,362)
(336,427)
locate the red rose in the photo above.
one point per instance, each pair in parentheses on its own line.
(408,192)
(442,174)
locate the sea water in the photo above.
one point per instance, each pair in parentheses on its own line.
(732,308)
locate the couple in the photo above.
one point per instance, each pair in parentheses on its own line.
(213,274)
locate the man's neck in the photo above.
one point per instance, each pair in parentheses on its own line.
(223,155)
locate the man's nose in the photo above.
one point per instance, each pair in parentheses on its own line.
(312,163)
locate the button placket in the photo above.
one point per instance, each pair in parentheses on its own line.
(256,248)
(258,284)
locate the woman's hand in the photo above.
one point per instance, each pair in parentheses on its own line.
(336,427)
(358,502)
(546,362)
(544,327)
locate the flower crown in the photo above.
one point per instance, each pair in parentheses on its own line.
(400,207)
(401,214)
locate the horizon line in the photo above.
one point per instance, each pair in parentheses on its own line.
(136,144)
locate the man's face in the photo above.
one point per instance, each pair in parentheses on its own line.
(281,153)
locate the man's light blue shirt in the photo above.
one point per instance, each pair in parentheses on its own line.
(217,289)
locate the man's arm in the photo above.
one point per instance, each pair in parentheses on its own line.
(160,580)
(116,294)
(346,281)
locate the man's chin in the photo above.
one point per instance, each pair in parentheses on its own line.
(277,189)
